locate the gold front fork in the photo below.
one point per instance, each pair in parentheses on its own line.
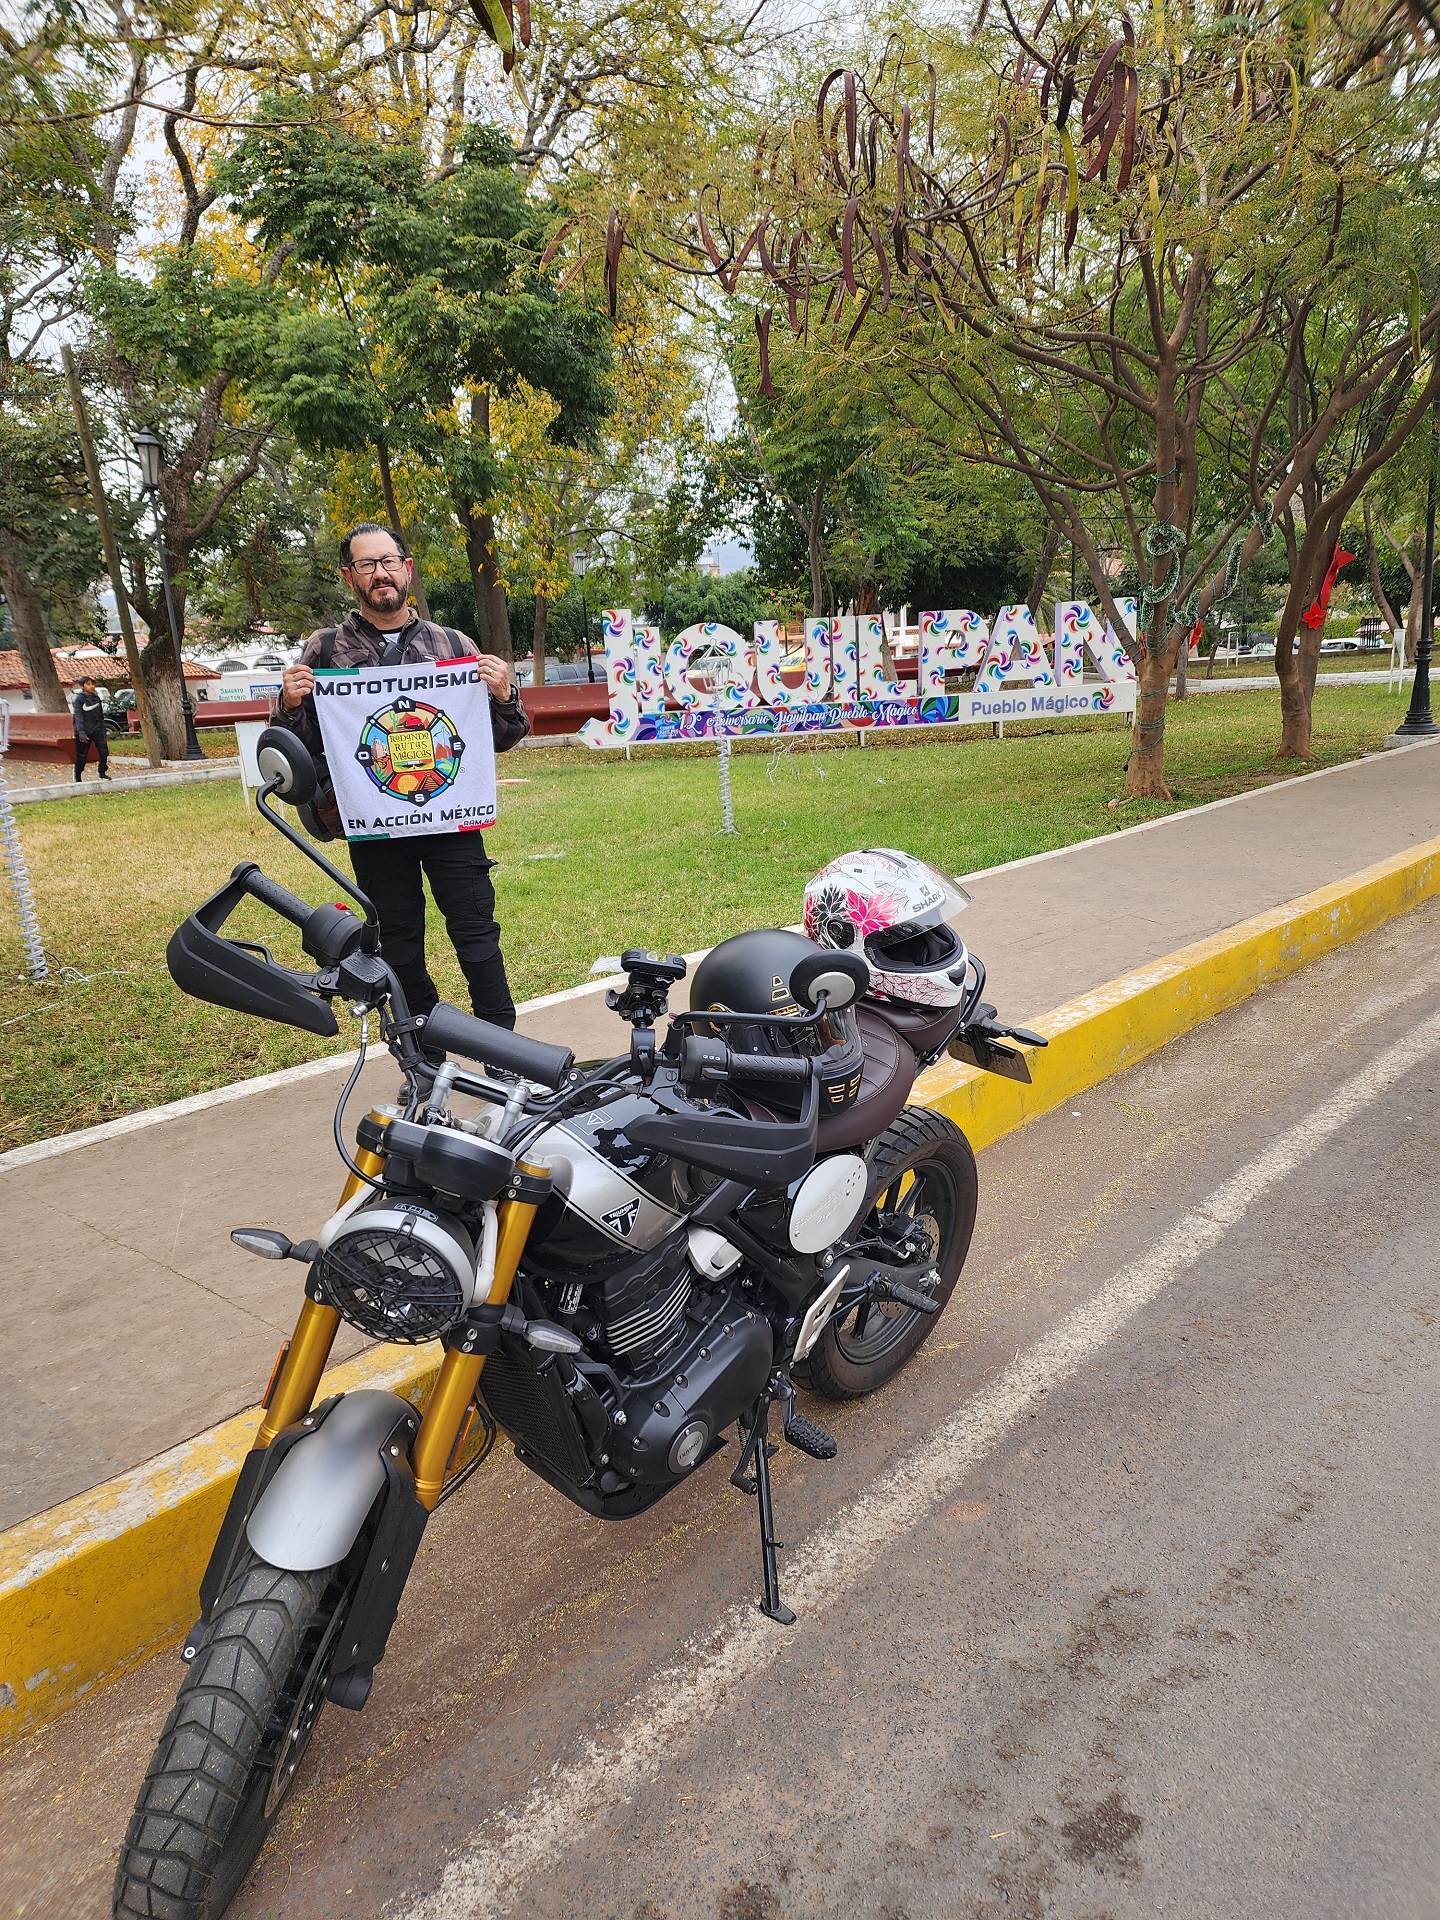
(298,1377)
(459,1372)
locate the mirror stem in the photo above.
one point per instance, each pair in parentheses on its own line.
(299,840)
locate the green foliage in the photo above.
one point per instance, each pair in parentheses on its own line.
(261,563)
(403,288)
(44,499)
(733,600)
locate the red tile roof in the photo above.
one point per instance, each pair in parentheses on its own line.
(85,663)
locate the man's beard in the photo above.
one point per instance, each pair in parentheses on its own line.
(393,596)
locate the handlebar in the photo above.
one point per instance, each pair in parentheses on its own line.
(271,894)
(328,933)
(706,1059)
(458,1032)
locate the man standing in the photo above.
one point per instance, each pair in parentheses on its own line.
(384,628)
(89,711)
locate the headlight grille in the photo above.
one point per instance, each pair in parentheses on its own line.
(392,1285)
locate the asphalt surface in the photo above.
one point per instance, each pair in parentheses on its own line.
(1121,1601)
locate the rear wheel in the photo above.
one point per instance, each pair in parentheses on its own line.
(921,1217)
(232,1745)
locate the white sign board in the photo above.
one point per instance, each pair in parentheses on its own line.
(410,748)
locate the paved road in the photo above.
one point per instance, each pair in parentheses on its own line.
(1121,1602)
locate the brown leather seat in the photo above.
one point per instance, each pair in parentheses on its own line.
(926,1028)
(884,1086)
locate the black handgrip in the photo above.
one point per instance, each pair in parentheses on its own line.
(271,894)
(766,1066)
(459,1032)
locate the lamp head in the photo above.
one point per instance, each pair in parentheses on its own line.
(149,452)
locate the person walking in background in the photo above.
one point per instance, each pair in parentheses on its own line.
(383,628)
(89,711)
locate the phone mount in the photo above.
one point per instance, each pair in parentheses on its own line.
(644,998)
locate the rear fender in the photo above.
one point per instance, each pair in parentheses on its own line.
(311,1511)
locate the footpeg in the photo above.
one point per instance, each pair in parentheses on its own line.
(806,1437)
(908,1297)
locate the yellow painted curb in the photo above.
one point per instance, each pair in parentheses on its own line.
(1103,1032)
(94,1586)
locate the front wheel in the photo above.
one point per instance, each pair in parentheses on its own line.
(921,1216)
(232,1744)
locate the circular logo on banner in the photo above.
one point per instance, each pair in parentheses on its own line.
(411,751)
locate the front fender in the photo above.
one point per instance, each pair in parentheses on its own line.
(311,1513)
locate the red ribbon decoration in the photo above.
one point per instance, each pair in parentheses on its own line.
(1314,615)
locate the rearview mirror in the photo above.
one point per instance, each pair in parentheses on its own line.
(286,766)
(841,977)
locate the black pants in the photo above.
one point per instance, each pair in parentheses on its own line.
(83,744)
(458,869)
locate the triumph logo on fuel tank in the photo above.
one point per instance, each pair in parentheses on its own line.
(622,1220)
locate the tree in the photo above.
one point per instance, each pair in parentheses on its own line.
(443,303)
(1075,300)
(55,210)
(171,346)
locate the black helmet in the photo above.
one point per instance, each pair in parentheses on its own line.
(751,973)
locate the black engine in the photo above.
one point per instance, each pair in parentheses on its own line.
(670,1363)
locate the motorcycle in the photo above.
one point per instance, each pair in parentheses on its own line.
(623,1261)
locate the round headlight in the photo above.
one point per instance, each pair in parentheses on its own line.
(398,1271)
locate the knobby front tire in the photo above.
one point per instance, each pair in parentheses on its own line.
(922,1180)
(232,1745)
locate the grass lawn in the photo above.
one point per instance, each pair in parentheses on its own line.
(596,853)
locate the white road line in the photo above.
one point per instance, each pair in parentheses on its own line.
(524,1838)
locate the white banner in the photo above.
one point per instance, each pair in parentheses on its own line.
(410,749)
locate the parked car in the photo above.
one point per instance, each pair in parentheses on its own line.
(119,705)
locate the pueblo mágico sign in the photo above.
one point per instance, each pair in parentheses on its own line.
(709,681)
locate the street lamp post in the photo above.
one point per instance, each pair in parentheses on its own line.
(148,452)
(580,562)
(1419,721)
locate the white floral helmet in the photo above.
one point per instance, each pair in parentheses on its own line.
(896,911)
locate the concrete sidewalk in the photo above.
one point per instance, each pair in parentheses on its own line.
(129,1322)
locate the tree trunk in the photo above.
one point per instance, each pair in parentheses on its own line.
(817,561)
(392,510)
(500,641)
(542,614)
(162,684)
(1182,668)
(27,623)
(1297,647)
(157,664)
(1044,567)
(1414,611)
(492,617)
(1145,776)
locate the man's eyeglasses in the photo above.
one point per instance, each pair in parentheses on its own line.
(391,563)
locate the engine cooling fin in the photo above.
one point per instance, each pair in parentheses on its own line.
(643,1328)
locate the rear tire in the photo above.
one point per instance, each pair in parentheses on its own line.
(921,1167)
(231,1747)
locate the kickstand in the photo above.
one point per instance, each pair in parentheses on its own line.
(756,1452)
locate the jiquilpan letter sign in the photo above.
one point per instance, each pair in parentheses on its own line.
(722,684)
